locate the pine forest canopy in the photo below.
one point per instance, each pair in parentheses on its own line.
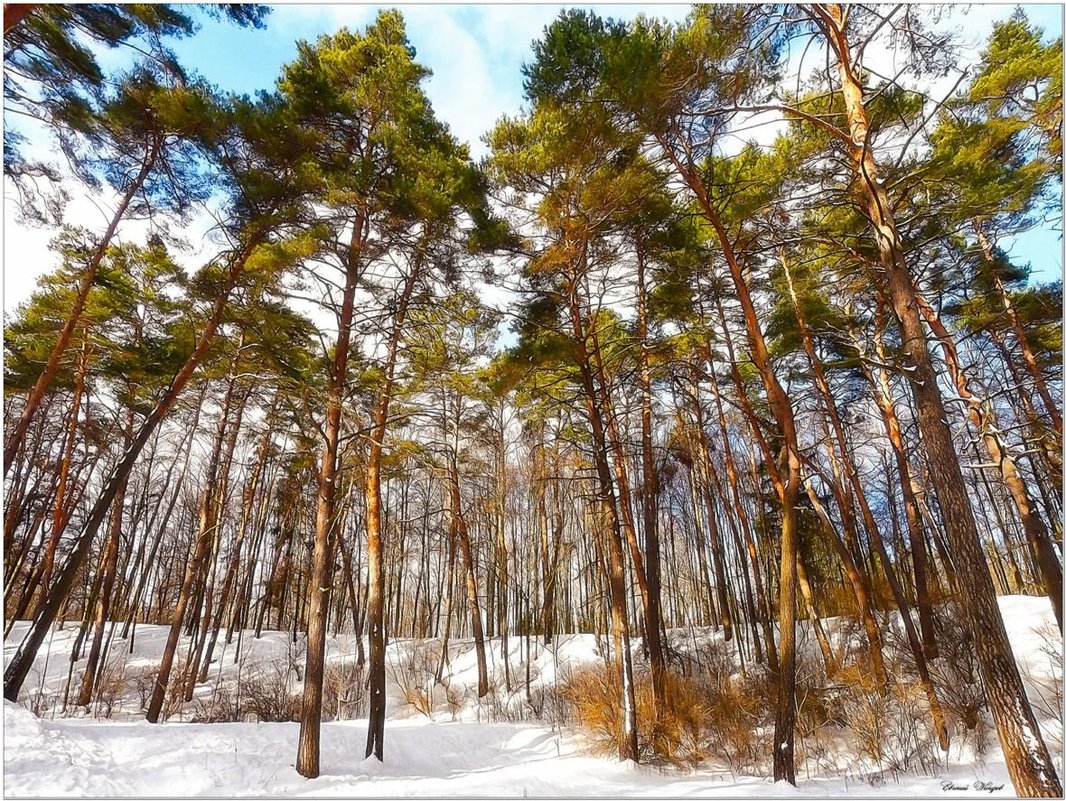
(724,326)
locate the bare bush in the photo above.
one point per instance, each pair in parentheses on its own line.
(1046,695)
(893,729)
(112,685)
(143,683)
(222,707)
(344,691)
(412,671)
(958,683)
(267,693)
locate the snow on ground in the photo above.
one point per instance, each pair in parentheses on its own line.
(96,758)
(450,754)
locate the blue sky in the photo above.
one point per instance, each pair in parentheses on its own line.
(475,52)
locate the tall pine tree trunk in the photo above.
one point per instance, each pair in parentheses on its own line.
(307,753)
(615,562)
(1028,761)
(375,546)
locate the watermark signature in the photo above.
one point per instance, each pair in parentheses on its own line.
(979,786)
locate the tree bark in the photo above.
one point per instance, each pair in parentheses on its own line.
(375,738)
(108,567)
(615,565)
(462,537)
(14,13)
(650,498)
(984,420)
(1050,407)
(307,753)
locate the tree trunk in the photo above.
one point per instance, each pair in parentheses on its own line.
(882,391)
(745,525)
(375,737)
(1028,761)
(828,657)
(837,426)
(462,537)
(1050,407)
(208,520)
(60,514)
(615,569)
(14,13)
(108,567)
(649,499)
(984,420)
(230,577)
(307,753)
(786,479)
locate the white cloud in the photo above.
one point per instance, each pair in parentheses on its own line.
(463,89)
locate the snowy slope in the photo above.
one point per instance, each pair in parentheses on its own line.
(126,756)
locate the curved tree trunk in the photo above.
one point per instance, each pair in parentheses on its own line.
(208,520)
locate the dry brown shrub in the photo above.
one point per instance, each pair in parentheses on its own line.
(174,700)
(595,697)
(1046,693)
(740,710)
(412,671)
(144,684)
(111,686)
(221,707)
(890,726)
(266,693)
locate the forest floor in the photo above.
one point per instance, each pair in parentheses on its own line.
(439,741)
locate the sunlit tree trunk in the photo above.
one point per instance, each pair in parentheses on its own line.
(375,738)
(307,753)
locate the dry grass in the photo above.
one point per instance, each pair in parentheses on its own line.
(893,730)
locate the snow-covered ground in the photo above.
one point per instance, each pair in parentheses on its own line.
(447,749)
